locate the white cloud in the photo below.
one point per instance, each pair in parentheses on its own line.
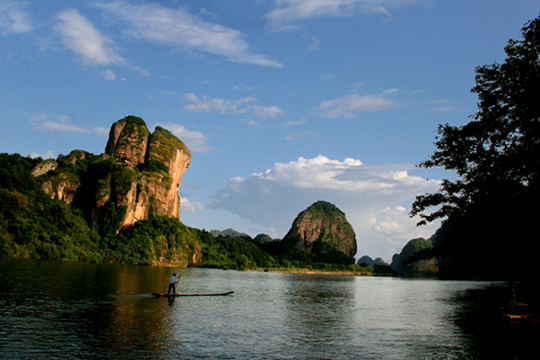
(190,207)
(47,155)
(223,106)
(315,42)
(242,87)
(79,35)
(63,124)
(293,123)
(252,122)
(355,103)
(443,106)
(372,197)
(100,130)
(287,12)
(180,29)
(13,19)
(300,134)
(195,140)
(109,75)
(327,77)
(390,91)
(356,86)
(221,219)
(239,106)
(393,222)
(445,109)
(267,112)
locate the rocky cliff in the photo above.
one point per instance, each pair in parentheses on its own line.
(322,230)
(418,268)
(139,173)
(161,159)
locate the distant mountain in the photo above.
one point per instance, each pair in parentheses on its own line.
(228,232)
(322,230)
(365,260)
(263,239)
(370,262)
(417,268)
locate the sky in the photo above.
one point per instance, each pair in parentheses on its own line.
(281,102)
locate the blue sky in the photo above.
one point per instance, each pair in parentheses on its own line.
(282,103)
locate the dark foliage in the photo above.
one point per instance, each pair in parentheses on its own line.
(34,225)
(495,157)
(153,165)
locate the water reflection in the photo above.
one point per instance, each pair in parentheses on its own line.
(69,309)
(318,314)
(55,310)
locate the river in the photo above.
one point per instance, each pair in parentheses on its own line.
(70,310)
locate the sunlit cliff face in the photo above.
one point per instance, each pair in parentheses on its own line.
(322,222)
(142,172)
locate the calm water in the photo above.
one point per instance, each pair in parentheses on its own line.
(66,310)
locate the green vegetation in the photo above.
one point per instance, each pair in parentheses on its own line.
(157,237)
(162,141)
(235,252)
(324,208)
(153,165)
(263,238)
(490,210)
(326,236)
(416,259)
(35,225)
(232,253)
(135,125)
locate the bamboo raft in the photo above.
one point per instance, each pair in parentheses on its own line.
(179,294)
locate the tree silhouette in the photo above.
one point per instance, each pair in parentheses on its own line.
(496,161)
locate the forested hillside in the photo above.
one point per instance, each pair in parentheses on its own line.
(35,225)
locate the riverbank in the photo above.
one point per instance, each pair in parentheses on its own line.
(319,272)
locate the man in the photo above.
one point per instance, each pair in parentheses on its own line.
(172,283)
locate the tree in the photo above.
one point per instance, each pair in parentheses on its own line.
(495,158)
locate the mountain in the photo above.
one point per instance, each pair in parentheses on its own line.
(228,232)
(263,239)
(121,206)
(322,231)
(139,173)
(417,268)
(370,262)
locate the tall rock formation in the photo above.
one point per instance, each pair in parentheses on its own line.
(128,138)
(161,159)
(139,173)
(322,230)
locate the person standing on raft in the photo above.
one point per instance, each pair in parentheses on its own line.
(172,283)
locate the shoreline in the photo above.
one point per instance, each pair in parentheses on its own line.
(319,272)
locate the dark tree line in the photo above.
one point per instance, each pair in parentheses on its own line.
(489,211)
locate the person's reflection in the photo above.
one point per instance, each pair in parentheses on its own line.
(171,299)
